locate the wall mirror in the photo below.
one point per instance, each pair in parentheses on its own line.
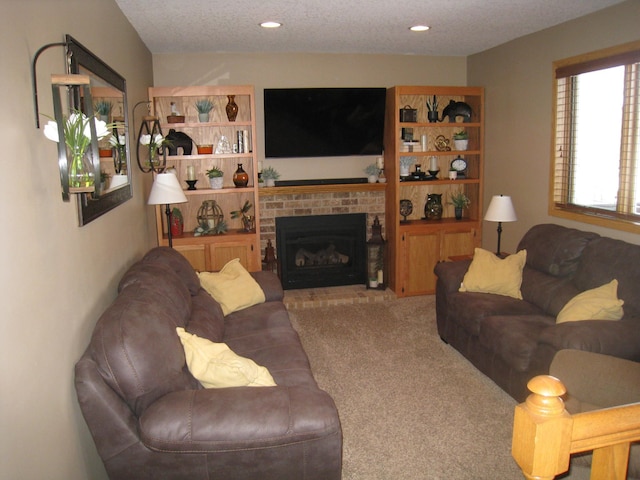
(108,90)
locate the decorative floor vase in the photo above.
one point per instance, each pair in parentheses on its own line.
(232,108)
(240,177)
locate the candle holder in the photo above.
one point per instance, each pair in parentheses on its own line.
(192,184)
(434,173)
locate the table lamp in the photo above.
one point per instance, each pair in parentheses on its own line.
(500,210)
(164,191)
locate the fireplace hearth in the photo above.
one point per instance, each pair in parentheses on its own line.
(321,250)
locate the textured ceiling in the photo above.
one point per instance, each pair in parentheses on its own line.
(458,27)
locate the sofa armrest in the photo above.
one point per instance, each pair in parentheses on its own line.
(214,420)
(595,380)
(451,274)
(618,338)
(270,284)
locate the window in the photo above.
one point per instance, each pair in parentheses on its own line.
(596,138)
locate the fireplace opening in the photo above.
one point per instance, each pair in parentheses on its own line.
(321,250)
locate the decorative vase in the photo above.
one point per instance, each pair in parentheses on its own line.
(216,182)
(372,178)
(240,177)
(432,116)
(232,108)
(177,226)
(433,206)
(203,117)
(404,170)
(81,174)
(458,212)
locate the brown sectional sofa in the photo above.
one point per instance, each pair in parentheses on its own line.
(151,419)
(513,340)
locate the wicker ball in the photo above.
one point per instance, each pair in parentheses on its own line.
(209,215)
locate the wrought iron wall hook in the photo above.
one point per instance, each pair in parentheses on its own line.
(34,81)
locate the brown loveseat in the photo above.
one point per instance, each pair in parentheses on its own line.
(512,340)
(150,419)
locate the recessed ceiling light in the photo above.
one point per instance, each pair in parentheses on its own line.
(419,28)
(270,24)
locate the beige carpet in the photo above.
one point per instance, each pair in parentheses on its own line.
(411,407)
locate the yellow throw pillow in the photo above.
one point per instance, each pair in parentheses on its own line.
(489,273)
(600,303)
(232,287)
(215,365)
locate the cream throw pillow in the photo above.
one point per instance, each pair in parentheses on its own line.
(600,303)
(489,273)
(232,287)
(215,365)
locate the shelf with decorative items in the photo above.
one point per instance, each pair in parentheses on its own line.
(210,132)
(429,169)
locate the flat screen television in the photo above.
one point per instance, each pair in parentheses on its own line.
(323,122)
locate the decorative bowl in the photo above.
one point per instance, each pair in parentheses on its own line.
(205,149)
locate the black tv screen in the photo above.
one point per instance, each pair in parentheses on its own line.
(323,122)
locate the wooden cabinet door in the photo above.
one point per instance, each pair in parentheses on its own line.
(195,254)
(457,242)
(222,252)
(421,253)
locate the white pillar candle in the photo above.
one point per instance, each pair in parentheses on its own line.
(191,173)
(380,163)
(433,164)
(380,277)
(423,142)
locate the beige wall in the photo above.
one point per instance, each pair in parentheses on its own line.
(307,70)
(517,77)
(56,277)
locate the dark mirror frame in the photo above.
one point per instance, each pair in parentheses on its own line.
(79,57)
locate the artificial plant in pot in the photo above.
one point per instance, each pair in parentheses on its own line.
(215,178)
(270,176)
(248,221)
(204,107)
(177,222)
(459,201)
(103,109)
(372,172)
(461,140)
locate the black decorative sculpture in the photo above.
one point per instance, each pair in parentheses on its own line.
(179,140)
(456,109)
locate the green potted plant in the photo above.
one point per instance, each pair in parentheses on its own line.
(372,172)
(215,177)
(247,220)
(461,140)
(102,109)
(204,107)
(459,201)
(270,176)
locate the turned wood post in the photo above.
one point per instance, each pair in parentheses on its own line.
(542,430)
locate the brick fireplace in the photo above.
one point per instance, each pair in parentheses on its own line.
(318,200)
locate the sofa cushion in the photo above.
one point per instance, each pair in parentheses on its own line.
(207,319)
(469,309)
(554,249)
(232,287)
(489,273)
(175,261)
(599,303)
(605,259)
(548,292)
(215,365)
(514,337)
(134,343)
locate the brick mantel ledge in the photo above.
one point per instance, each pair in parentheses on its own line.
(343,187)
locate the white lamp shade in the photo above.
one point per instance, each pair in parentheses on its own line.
(165,190)
(501,210)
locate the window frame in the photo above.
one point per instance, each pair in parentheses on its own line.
(559,177)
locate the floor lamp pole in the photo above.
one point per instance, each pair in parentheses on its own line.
(168,213)
(497,251)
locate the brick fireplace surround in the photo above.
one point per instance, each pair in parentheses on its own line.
(318,200)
